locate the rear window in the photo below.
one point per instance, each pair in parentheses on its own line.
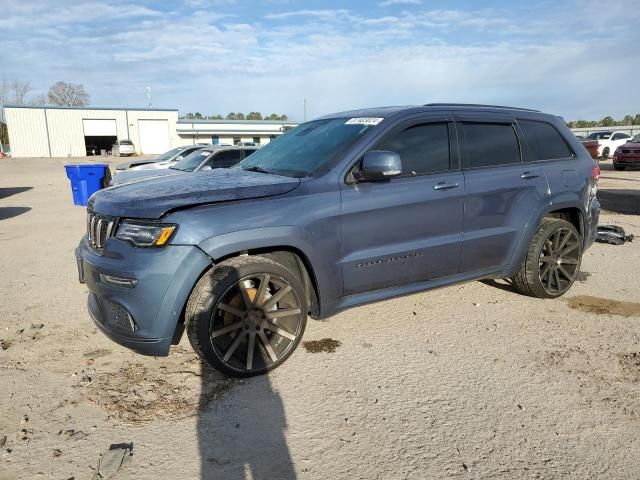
(491,144)
(544,140)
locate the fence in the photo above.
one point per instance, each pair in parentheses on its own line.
(632,130)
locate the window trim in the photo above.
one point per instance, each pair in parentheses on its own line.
(454,156)
(530,157)
(466,164)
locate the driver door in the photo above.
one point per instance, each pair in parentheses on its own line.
(408,228)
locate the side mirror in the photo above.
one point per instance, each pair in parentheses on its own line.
(206,167)
(179,157)
(379,165)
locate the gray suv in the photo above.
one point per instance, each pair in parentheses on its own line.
(348,209)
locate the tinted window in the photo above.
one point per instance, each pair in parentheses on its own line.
(224,159)
(422,148)
(248,152)
(620,136)
(191,161)
(491,144)
(544,140)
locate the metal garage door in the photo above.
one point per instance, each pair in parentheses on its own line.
(154,136)
(99,128)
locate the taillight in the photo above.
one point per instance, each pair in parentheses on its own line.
(595,172)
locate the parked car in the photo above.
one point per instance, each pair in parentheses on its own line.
(592,147)
(123,147)
(628,155)
(203,158)
(608,141)
(166,159)
(341,211)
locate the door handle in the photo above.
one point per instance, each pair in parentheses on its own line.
(445,186)
(527,175)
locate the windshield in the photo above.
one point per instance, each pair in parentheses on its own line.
(599,135)
(305,149)
(169,154)
(635,139)
(191,161)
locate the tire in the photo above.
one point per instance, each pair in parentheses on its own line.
(231,313)
(605,154)
(552,262)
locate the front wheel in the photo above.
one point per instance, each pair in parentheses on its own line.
(246,316)
(552,262)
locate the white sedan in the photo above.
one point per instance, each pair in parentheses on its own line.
(608,141)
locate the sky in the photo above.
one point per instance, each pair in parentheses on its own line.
(571,58)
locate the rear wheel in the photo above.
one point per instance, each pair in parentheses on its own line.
(552,262)
(605,154)
(246,316)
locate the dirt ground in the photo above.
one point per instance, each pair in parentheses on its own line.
(470,381)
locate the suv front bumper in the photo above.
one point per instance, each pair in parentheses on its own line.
(137,295)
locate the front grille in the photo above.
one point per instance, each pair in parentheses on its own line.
(99,228)
(630,151)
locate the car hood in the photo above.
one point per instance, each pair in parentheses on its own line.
(154,197)
(133,163)
(631,146)
(135,175)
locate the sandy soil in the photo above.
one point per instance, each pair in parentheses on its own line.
(470,381)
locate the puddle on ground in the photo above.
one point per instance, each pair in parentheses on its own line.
(604,306)
(327,345)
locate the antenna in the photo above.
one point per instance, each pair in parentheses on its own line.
(149,96)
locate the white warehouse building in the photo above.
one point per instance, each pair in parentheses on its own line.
(79,131)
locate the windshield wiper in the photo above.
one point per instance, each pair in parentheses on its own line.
(255,168)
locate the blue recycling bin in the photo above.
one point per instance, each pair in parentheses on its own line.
(85,180)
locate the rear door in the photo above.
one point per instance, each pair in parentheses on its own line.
(501,191)
(408,228)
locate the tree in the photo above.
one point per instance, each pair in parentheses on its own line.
(197,116)
(38,101)
(627,120)
(607,122)
(17,91)
(284,118)
(254,116)
(68,95)
(232,116)
(636,120)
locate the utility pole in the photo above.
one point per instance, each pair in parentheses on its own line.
(149,96)
(304,105)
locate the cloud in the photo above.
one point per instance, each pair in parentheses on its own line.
(388,3)
(202,59)
(324,14)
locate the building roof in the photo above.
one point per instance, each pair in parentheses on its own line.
(238,122)
(55,107)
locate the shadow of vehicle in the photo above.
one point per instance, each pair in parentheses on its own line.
(10,212)
(243,435)
(7,192)
(624,201)
(502,284)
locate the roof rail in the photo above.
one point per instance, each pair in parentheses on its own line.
(478,105)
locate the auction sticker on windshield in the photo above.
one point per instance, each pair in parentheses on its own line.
(364,121)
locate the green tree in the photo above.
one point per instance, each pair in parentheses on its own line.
(232,116)
(4,133)
(197,116)
(607,122)
(254,116)
(627,120)
(284,118)
(240,116)
(636,120)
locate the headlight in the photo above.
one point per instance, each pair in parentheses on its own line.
(145,234)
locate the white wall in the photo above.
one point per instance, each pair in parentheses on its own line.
(28,129)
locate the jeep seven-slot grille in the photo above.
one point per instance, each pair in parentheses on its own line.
(99,228)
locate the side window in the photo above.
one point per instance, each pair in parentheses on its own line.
(248,152)
(620,136)
(490,144)
(544,140)
(225,159)
(422,148)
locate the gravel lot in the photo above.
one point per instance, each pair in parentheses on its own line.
(470,381)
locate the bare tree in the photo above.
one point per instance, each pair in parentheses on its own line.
(38,101)
(68,95)
(17,92)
